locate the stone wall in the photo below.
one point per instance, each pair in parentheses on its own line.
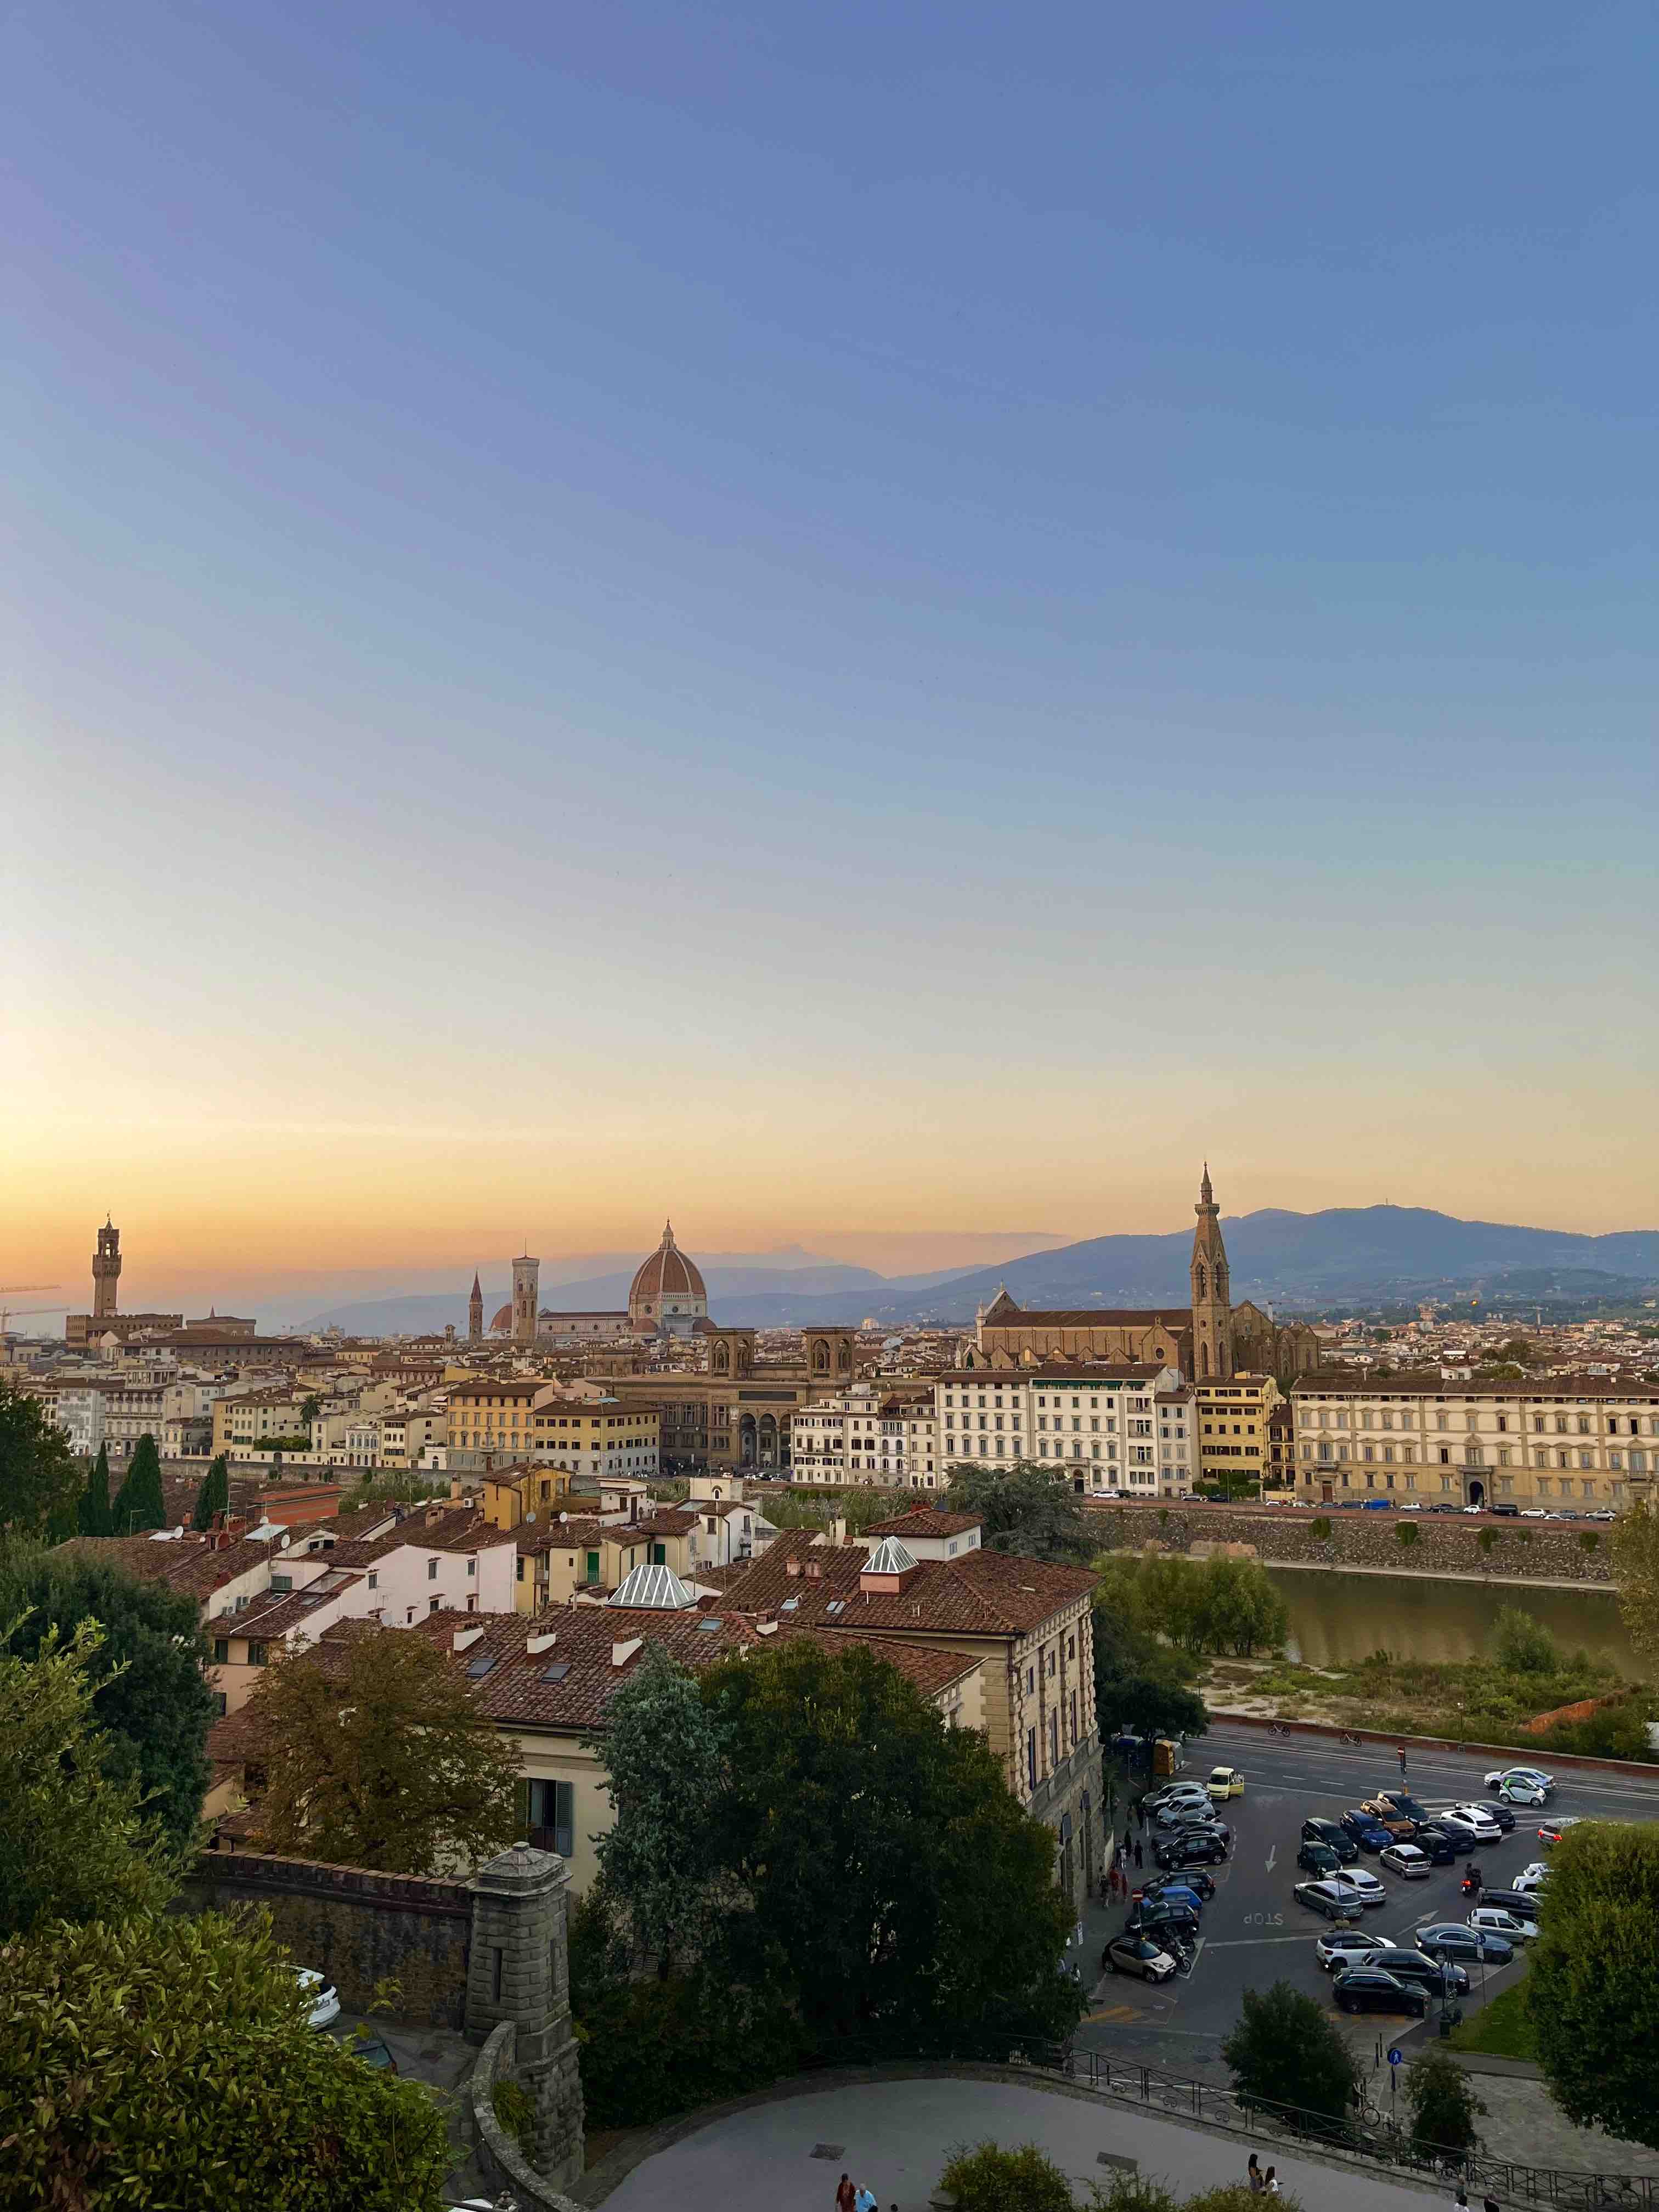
(1524,1550)
(354,1927)
(500,2159)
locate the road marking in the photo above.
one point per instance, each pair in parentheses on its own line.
(1272,1853)
(1254,1942)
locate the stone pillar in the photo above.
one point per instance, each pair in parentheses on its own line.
(518,1970)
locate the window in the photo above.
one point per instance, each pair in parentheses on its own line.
(432,1570)
(220,1651)
(256,1654)
(1030,1759)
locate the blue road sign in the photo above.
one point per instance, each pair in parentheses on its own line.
(1395,2056)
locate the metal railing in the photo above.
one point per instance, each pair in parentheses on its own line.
(1367,2135)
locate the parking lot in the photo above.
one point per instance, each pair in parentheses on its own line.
(1255,1932)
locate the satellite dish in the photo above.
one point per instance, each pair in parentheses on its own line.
(529,1516)
(564,1516)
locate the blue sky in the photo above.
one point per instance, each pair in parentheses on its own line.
(699,607)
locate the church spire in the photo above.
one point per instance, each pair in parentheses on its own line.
(1212,1313)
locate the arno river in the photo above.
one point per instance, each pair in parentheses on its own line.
(1337,1618)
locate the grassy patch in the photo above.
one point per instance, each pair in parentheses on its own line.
(1501,2029)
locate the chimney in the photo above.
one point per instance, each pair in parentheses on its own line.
(621,1653)
(545,1642)
(814,1571)
(792,1568)
(467,1637)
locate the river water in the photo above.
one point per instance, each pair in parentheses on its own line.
(1337,1618)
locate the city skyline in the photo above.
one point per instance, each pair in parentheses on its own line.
(806,621)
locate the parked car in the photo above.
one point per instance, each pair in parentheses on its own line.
(1376,1505)
(1226,1781)
(1364,1885)
(1436,1845)
(1505,1512)
(1331,1832)
(1349,1947)
(1198,1847)
(1445,1509)
(1368,1989)
(1400,1826)
(1600,1513)
(323,1997)
(1318,1859)
(1451,1939)
(1192,1881)
(1499,1774)
(1533,1877)
(1441,1977)
(1407,1862)
(1523,1903)
(1162,1913)
(1404,1803)
(1463,1822)
(1459,1841)
(1138,1954)
(1178,1794)
(1336,1900)
(1499,1815)
(1371,1835)
(1411,1505)
(1496,1920)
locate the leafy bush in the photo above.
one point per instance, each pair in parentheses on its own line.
(168,2064)
(1489,1539)
(1522,1645)
(1442,2101)
(988,2179)
(1320,1530)
(1594,1996)
(1407,1533)
(1285,2050)
(1588,1540)
(510,2102)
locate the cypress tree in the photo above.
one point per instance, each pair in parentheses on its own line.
(139,1505)
(214,1496)
(92,1511)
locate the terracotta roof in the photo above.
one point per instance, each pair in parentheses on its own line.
(1092,1317)
(1429,1383)
(270,1623)
(462,1529)
(926,1521)
(573,1534)
(982,1593)
(666,1273)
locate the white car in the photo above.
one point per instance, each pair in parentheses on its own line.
(1411,1505)
(1347,1946)
(1492,1920)
(1462,1823)
(1533,1513)
(1370,1890)
(1521,1789)
(1407,1861)
(323,1996)
(1533,1877)
(1501,1774)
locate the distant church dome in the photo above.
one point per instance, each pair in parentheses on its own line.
(667,1295)
(503,1318)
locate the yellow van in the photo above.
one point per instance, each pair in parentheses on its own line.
(1225,1782)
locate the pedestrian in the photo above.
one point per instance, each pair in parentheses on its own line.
(1139,1860)
(1252,2176)
(1487,2204)
(1460,2197)
(1140,1814)
(1270,2187)
(1402,1762)
(845,2194)
(865,2201)
(1128,1841)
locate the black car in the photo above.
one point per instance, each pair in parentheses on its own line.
(1503,1815)
(1441,1977)
(1331,1832)
(1155,1919)
(1319,1859)
(1436,1845)
(1523,1903)
(1201,1847)
(1368,1989)
(1462,1842)
(1445,1509)
(1194,1879)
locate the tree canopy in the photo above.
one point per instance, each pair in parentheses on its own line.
(1030,1510)
(1636,1571)
(1441,2099)
(376,1756)
(153,1705)
(1141,1683)
(139,1504)
(167,2062)
(1593,1982)
(38,1477)
(92,1515)
(74,1846)
(1201,1605)
(214,1496)
(1285,2050)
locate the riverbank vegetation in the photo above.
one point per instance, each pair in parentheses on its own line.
(1525,1675)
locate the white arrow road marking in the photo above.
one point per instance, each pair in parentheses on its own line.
(1272,1853)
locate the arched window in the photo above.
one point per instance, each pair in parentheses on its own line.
(1201,1280)
(821,1357)
(1203,1359)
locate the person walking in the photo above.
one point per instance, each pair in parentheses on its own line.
(1402,1762)
(1128,1841)
(1270,2183)
(1139,1860)
(1252,2176)
(845,2194)
(865,2201)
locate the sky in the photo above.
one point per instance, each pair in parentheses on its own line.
(890,622)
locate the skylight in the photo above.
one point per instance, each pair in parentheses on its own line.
(556,1672)
(478,1668)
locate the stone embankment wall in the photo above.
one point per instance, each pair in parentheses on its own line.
(356,1927)
(1524,1550)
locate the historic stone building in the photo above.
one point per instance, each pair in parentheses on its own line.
(1212,1339)
(734,1412)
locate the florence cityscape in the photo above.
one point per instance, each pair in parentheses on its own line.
(829,1273)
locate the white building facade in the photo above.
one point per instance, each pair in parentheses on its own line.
(1100,1422)
(869,1434)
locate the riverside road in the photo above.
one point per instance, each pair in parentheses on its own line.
(1255,1933)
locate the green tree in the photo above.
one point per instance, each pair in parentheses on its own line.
(138,1504)
(1636,1571)
(382,1760)
(310,1407)
(38,1479)
(1594,1978)
(989,2178)
(154,1706)
(1141,1683)
(1028,1510)
(1284,2050)
(1441,2099)
(1407,1534)
(878,1848)
(665,1769)
(214,1496)
(74,1845)
(1522,1645)
(92,1508)
(165,2061)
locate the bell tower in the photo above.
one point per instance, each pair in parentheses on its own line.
(526,1297)
(475,1312)
(105,1270)
(1212,1312)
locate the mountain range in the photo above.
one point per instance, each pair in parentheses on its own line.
(1343,1257)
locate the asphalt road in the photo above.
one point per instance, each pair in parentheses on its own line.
(1254,1930)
